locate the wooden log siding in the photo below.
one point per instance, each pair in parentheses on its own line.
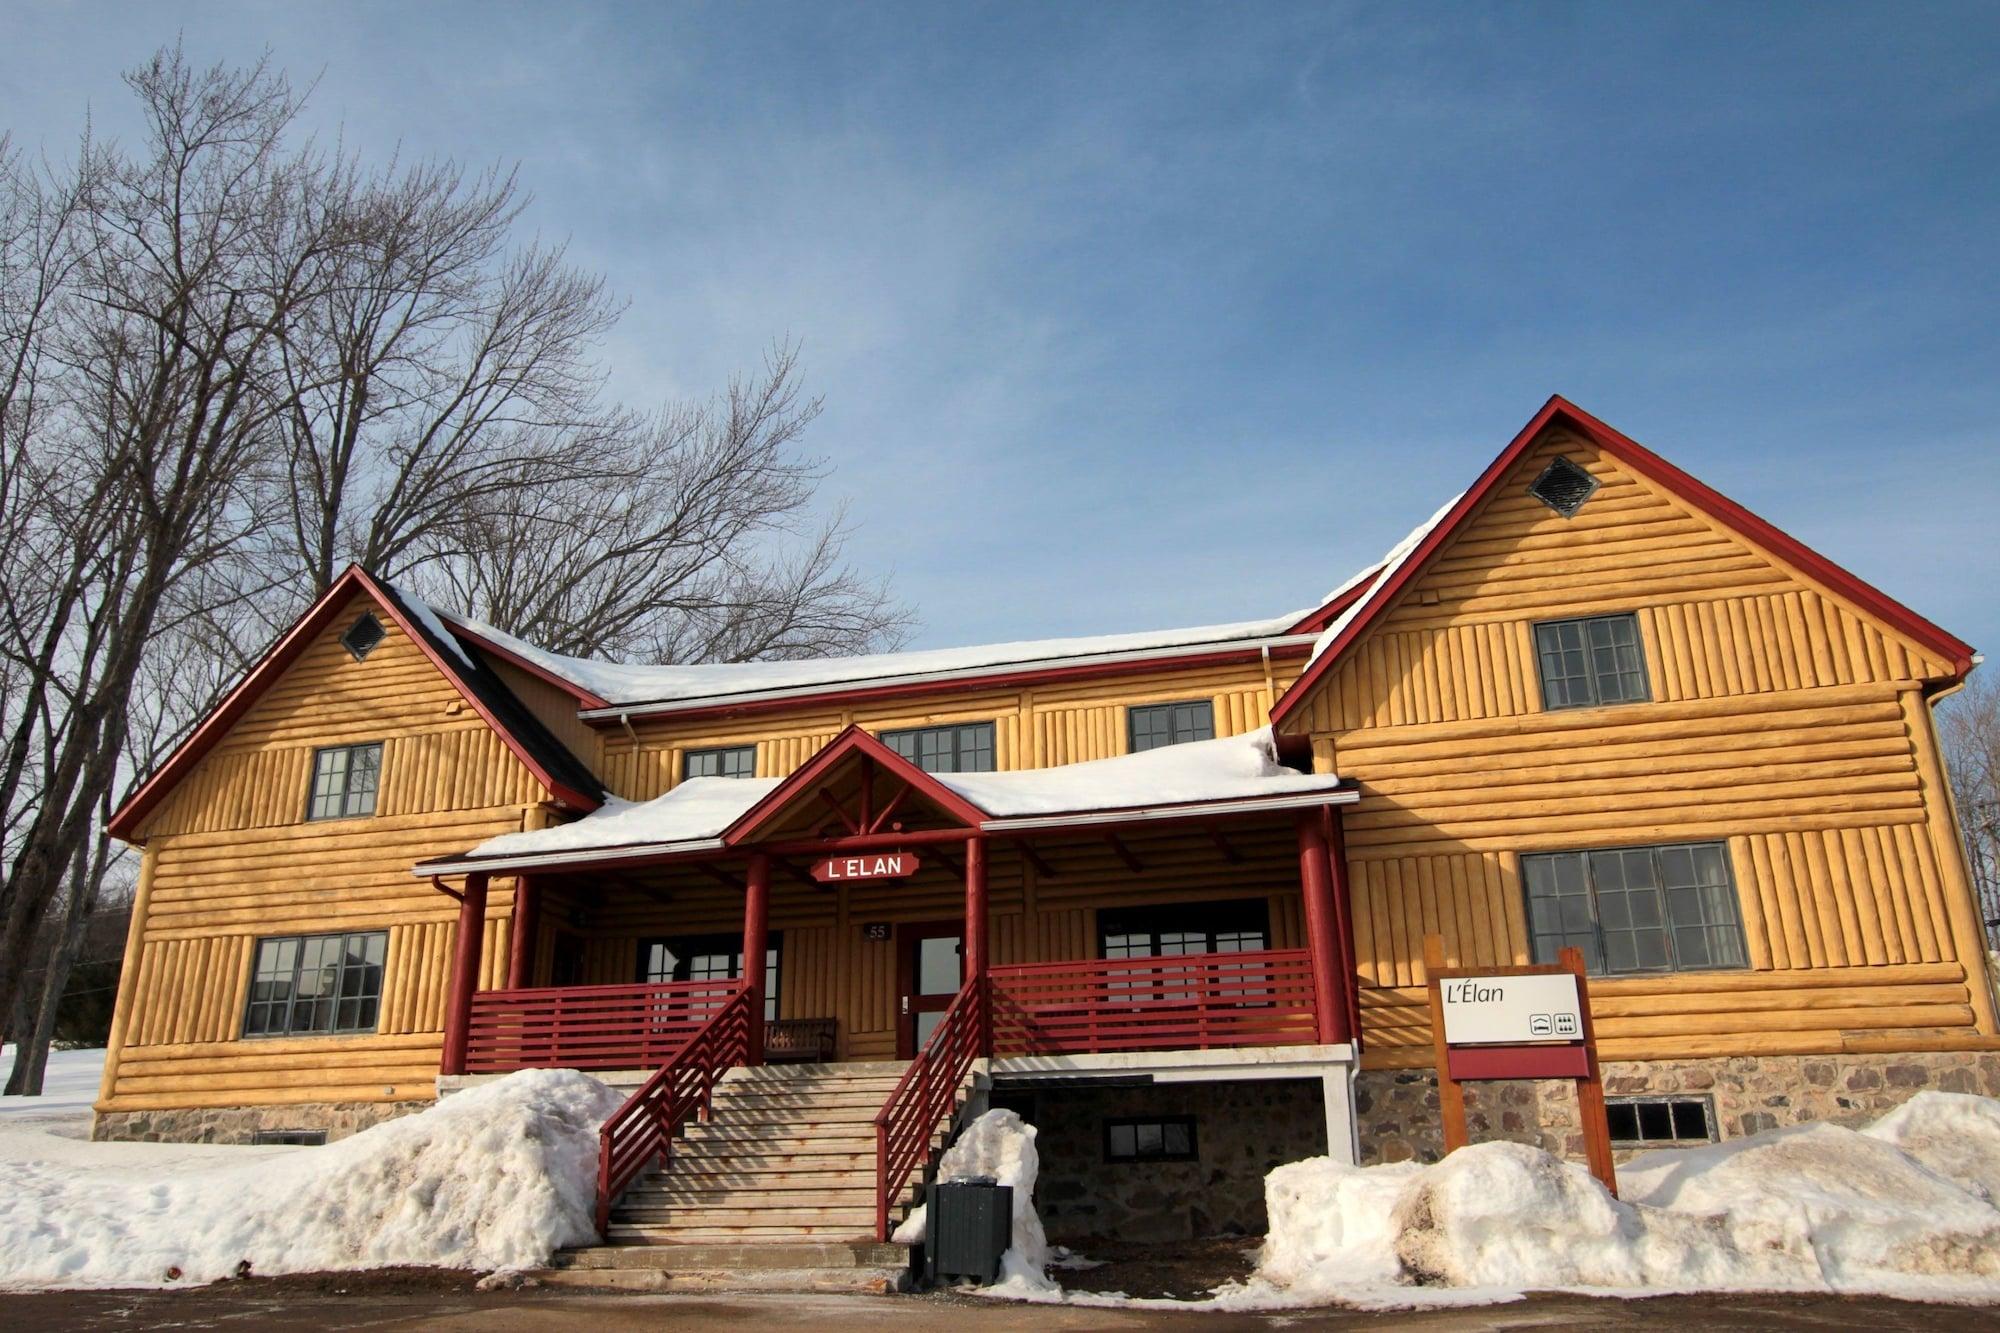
(1781,722)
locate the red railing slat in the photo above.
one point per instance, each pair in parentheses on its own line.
(642,1130)
(1184,1002)
(588,1027)
(924,1096)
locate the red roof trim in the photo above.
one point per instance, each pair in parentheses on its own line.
(850,741)
(1327,614)
(1645,461)
(273,664)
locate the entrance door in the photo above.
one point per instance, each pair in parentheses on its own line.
(930,968)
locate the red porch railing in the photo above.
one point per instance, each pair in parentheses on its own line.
(924,1096)
(1158,1003)
(642,1131)
(588,1027)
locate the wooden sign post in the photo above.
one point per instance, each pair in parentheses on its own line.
(1491,1023)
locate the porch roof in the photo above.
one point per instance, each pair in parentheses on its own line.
(1197,780)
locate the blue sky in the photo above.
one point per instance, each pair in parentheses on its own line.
(1130,316)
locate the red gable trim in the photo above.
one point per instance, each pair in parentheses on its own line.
(1659,470)
(852,741)
(1327,614)
(273,664)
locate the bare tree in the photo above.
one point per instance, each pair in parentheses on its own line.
(1970,725)
(685,537)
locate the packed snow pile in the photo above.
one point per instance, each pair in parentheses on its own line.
(1000,1145)
(69,1086)
(499,1176)
(1904,1207)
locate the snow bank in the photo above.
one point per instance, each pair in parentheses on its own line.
(1001,1145)
(1905,1207)
(69,1086)
(697,808)
(499,1176)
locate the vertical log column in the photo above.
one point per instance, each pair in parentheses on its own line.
(1343,921)
(1322,937)
(521,934)
(465,957)
(756,940)
(975,938)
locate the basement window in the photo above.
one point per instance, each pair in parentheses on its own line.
(725,761)
(1156,725)
(1654,1122)
(1155,1139)
(316,984)
(1563,487)
(363,635)
(295,1138)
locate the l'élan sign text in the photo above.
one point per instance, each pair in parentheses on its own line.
(1480,1010)
(868,865)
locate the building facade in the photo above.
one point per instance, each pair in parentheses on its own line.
(1160,892)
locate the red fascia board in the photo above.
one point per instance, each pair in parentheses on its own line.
(226,714)
(838,697)
(561,791)
(1643,460)
(584,698)
(851,741)
(1330,612)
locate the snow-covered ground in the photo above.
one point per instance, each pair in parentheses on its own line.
(69,1086)
(499,1176)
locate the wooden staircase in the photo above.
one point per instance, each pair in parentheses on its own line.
(787,1156)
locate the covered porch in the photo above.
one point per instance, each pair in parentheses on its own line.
(859,899)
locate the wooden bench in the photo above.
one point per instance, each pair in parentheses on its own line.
(801,1040)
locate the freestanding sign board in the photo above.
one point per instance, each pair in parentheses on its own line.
(1492,1023)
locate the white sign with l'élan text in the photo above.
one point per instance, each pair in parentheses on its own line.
(1538,1007)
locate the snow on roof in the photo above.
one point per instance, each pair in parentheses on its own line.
(701,809)
(1230,768)
(623,685)
(1391,562)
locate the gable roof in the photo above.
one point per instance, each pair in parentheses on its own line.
(852,742)
(565,777)
(1408,562)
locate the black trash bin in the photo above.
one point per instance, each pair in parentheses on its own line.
(968,1225)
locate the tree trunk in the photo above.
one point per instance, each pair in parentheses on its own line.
(31,1057)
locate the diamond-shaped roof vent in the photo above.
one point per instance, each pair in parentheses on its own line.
(1563,487)
(363,635)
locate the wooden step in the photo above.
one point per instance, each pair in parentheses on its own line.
(752,1215)
(628,1234)
(683,1176)
(736,1257)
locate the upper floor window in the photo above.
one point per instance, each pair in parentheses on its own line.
(316,984)
(1593,660)
(345,779)
(1154,725)
(728,761)
(962,747)
(1636,909)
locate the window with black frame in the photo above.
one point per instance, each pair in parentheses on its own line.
(316,984)
(1154,726)
(1591,661)
(962,747)
(345,779)
(1671,908)
(1150,1139)
(724,761)
(707,958)
(1176,930)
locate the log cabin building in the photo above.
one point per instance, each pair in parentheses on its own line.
(1166,894)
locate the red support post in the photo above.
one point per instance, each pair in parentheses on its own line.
(975,936)
(465,959)
(756,940)
(1322,941)
(521,934)
(1343,920)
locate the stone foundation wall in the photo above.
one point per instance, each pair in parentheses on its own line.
(1397,1110)
(1242,1130)
(240,1124)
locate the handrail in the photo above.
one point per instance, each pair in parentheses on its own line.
(588,1027)
(1156,1002)
(925,1094)
(642,1130)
